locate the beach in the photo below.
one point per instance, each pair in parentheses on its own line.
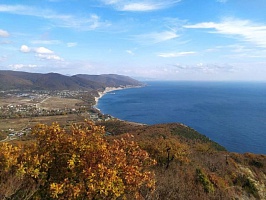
(111,89)
(106,90)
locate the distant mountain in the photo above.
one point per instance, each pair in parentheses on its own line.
(110,80)
(54,81)
(8,81)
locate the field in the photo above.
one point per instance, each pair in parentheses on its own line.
(19,124)
(14,100)
(46,102)
(59,103)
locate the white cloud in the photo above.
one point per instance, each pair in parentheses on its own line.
(94,21)
(49,57)
(176,54)
(243,29)
(32,11)
(39,50)
(156,37)
(20,66)
(209,68)
(43,50)
(241,52)
(140,6)
(130,52)
(72,44)
(3,33)
(110,2)
(46,42)
(90,22)
(25,49)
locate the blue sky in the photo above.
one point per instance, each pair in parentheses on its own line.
(147,39)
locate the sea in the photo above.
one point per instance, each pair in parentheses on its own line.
(230,113)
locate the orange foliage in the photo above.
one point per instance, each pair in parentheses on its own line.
(80,164)
(162,148)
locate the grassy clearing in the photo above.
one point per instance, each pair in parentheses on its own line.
(16,101)
(59,103)
(18,124)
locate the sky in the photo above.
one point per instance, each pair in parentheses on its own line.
(145,39)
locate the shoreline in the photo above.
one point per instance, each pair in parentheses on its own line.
(110,89)
(101,94)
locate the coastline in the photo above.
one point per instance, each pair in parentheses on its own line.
(111,89)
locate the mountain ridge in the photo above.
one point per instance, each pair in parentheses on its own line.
(12,80)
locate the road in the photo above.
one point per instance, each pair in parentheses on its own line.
(38,104)
(8,138)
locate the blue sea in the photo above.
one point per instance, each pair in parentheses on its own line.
(230,113)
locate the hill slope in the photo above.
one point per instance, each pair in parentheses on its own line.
(111,80)
(191,166)
(53,81)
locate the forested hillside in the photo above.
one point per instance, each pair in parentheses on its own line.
(126,161)
(15,80)
(191,166)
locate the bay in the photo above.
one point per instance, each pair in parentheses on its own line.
(230,113)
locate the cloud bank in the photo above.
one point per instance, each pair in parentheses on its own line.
(3,33)
(140,6)
(176,54)
(41,52)
(245,30)
(156,37)
(90,22)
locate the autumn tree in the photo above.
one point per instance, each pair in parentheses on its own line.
(78,164)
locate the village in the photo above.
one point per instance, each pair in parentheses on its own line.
(32,105)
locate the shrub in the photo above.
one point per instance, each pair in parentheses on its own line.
(204,180)
(79,164)
(255,163)
(246,184)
